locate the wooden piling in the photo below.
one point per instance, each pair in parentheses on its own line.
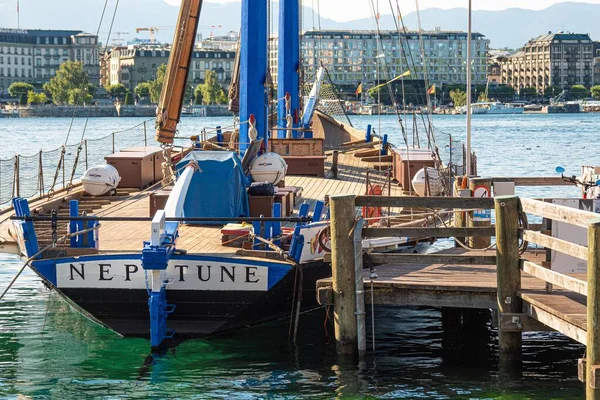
(473,217)
(593,312)
(343,273)
(508,274)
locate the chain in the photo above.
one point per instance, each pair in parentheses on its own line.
(54,226)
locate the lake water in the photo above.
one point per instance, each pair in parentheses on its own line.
(49,351)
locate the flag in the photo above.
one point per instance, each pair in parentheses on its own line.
(359,89)
(17,6)
(431,90)
(377,16)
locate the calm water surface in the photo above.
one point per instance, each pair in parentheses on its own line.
(49,351)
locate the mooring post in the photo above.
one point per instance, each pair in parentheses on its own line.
(508,274)
(592,384)
(343,273)
(480,188)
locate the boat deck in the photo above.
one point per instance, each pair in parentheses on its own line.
(124,236)
(128,236)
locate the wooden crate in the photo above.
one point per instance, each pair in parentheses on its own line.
(408,163)
(306,165)
(135,168)
(157,158)
(261,205)
(297,147)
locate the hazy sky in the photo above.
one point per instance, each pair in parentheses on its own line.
(345,10)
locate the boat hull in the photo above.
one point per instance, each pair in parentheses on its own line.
(197,312)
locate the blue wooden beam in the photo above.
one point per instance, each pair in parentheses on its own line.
(288,63)
(253,69)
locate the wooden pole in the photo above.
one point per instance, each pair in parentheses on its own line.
(593,312)
(343,273)
(508,274)
(479,187)
(359,290)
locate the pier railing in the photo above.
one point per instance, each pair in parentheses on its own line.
(565,311)
(569,303)
(49,171)
(347,252)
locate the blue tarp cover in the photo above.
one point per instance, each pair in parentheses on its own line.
(218,189)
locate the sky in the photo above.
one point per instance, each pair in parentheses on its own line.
(340,10)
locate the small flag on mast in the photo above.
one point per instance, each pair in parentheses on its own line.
(431,90)
(359,89)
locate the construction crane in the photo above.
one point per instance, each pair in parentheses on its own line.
(153,31)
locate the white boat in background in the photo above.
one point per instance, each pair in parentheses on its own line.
(494,107)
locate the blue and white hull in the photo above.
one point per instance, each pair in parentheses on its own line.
(209,294)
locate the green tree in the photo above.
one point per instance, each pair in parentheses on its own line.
(116,90)
(552,91)
(142,89)
(459,98)
(211,90)
(595,90)
(578,92)
(16,89)
(528,93)
(155,86)
(70,84)
(78,97)
(503,93)
(129,99)
(483,97)
(23,99)
(36,98)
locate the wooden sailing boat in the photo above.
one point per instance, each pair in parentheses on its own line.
(145,268)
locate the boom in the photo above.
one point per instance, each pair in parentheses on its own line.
(168,112)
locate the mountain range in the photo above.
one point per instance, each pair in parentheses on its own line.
(510,28)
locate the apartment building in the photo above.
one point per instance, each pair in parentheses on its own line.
(135,64)
(34,55)
(553,59)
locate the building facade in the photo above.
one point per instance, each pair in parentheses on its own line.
(133,65)
(34,56)
(351,57)
(554,59)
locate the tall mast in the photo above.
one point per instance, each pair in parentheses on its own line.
(253,70)
(469,94)
(168,112)
(288,81)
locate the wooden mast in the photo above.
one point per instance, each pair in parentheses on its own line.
(168,112)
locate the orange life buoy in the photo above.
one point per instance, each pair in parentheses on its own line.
(373,214)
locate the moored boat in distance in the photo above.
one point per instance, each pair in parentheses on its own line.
(494,107)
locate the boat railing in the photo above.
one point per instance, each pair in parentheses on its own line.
(49,171)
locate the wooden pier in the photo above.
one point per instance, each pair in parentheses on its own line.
(514,281)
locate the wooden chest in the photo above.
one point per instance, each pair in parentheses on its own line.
(407,162)
(135,168)
(297,147)
(157,158)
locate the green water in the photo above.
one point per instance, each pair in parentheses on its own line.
(49,351)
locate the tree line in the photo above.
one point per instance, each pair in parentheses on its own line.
(71,85)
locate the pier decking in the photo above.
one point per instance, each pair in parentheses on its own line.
(527,294)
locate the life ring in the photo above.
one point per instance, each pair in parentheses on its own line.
(373,214)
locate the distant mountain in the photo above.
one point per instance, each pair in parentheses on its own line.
(508,28)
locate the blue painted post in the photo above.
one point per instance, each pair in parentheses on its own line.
(253,70)
(90,236)
(303,211)
(74,212)
(384,146)
(277,225)
(368,136)
(219,135)
(288,63)
(318,213)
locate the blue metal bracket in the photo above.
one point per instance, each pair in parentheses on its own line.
(318,213)
(384,145)
(156,259)
(368,136)
(21,207)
